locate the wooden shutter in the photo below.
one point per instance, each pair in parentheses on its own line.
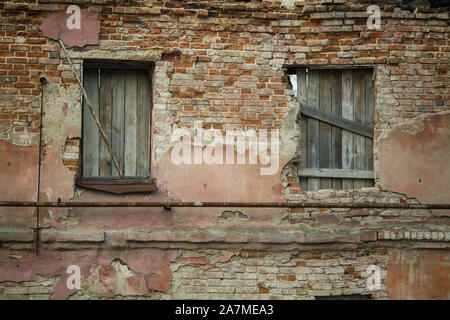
(337,108)
(121,100)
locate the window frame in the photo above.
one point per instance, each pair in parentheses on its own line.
(356,174)
(115,184)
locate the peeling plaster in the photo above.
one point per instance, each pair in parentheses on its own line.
(413,159)
(232,215)
(418,275)
(150,268)
(55,27)
(61,121)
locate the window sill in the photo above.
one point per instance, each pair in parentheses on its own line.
(118,186)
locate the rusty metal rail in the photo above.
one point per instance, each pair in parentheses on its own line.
(179,204)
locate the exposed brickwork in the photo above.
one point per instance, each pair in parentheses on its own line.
(223,274)
(230,71)
(222,62)
(70,154)
(262,275)
(40,288)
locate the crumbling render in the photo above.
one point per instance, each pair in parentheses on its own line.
(182,240)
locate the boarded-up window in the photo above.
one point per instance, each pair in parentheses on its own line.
(121,100)
(337,112)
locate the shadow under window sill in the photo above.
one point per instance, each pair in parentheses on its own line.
(118,186)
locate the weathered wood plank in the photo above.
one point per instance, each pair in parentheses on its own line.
(143,122)
(313,128)
(336,133)
(130,122)
(347,136)
(302,96)
(118,119)
(325,128)
(339,101)
(360,117)
(370,110)
(105,120)
(90,130)
(335,173)
(338,121)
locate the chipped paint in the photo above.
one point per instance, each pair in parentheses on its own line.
(55,27)
(415,162)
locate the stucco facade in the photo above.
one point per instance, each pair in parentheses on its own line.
(225,63)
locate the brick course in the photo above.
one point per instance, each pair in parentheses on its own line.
(225,63)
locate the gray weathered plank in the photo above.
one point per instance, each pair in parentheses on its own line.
(143,130)
(90,130)
(339,98)
(118,119)
(335,173)
(340,122)
(105,120)
(130,122)
(313,128)
(325,128)
(370,110)
(360,117)
(336,133)
(302,96)
(347,136)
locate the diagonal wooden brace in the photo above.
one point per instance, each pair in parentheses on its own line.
(88,102)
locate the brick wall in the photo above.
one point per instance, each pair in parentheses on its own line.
(225,63)
(227,274)
(232,56)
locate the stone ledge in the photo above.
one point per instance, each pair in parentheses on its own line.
(119,54)
(120,238)
(258,235)
(72,236)
(16,235)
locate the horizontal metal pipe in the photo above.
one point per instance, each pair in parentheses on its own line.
(175,204)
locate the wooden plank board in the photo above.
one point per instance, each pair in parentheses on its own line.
(337,113)
(370,110)
(338,121)
(336,133)
(335,173)
(118,118)
(347,136)
(143,122)
(360,117)
(325,128)
(90,131)
(302,96)
(313,128)
(105,120)
(130,122)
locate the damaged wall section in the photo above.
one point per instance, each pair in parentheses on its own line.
(225,65)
